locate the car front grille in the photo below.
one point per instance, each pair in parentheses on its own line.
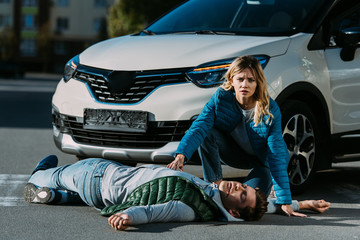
(157,135)
(126,86)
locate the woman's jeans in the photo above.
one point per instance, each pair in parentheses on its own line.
(83,177)
(220,148)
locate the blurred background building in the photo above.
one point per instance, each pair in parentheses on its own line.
(42,35)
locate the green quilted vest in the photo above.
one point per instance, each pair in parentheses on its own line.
(165,189)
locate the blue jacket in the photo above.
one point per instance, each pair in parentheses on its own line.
(266,139)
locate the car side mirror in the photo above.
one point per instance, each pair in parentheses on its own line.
(349,40)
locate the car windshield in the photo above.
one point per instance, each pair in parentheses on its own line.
(251,17)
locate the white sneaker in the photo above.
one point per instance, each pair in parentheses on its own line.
(33,194)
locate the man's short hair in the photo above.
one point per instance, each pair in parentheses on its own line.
(254,214)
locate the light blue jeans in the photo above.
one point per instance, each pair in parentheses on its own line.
(83,177)
(220,148)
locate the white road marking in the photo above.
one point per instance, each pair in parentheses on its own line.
(345,205)
(27,86)
(27,89)
(12,201)
(11,189)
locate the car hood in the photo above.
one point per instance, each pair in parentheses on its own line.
(176,51)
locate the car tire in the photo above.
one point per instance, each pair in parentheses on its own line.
(301,134)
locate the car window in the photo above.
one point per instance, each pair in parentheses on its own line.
(251,17)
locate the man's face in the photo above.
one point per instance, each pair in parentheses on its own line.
(235,195)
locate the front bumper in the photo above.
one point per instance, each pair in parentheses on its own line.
(157,145)
(164,154)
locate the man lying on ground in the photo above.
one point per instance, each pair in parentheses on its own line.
(149,193)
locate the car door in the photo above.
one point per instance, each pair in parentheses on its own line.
(344,76)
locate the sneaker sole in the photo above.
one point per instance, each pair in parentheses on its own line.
(32,194)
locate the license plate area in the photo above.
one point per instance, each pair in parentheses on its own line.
(115,120)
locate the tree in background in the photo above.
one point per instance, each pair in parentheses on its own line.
(8,44)
(130,16)
(44,46)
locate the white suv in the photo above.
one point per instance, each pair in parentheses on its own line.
(132,98)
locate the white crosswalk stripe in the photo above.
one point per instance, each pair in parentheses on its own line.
(11,189)
(27,86)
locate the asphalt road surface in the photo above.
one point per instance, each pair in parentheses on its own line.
(26,137)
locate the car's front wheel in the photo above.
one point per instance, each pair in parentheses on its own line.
(301,135)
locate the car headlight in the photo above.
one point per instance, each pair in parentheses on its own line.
(70,68)
(212,74)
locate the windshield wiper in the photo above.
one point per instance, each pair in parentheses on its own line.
(192,32)
(206,32)
(200,32)
(148,32)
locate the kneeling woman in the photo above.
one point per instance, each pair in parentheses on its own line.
(241,127)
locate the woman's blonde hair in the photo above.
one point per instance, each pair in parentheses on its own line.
(261,94)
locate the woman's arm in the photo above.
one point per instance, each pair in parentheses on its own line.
(278,158)
(199,129)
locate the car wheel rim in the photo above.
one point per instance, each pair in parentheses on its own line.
(300,140)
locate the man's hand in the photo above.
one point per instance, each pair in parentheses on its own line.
(319,206)
(290,212)
(120,221)
(178,163)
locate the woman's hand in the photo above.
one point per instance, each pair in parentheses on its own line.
(290,212)
(178,163)
(120,221)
